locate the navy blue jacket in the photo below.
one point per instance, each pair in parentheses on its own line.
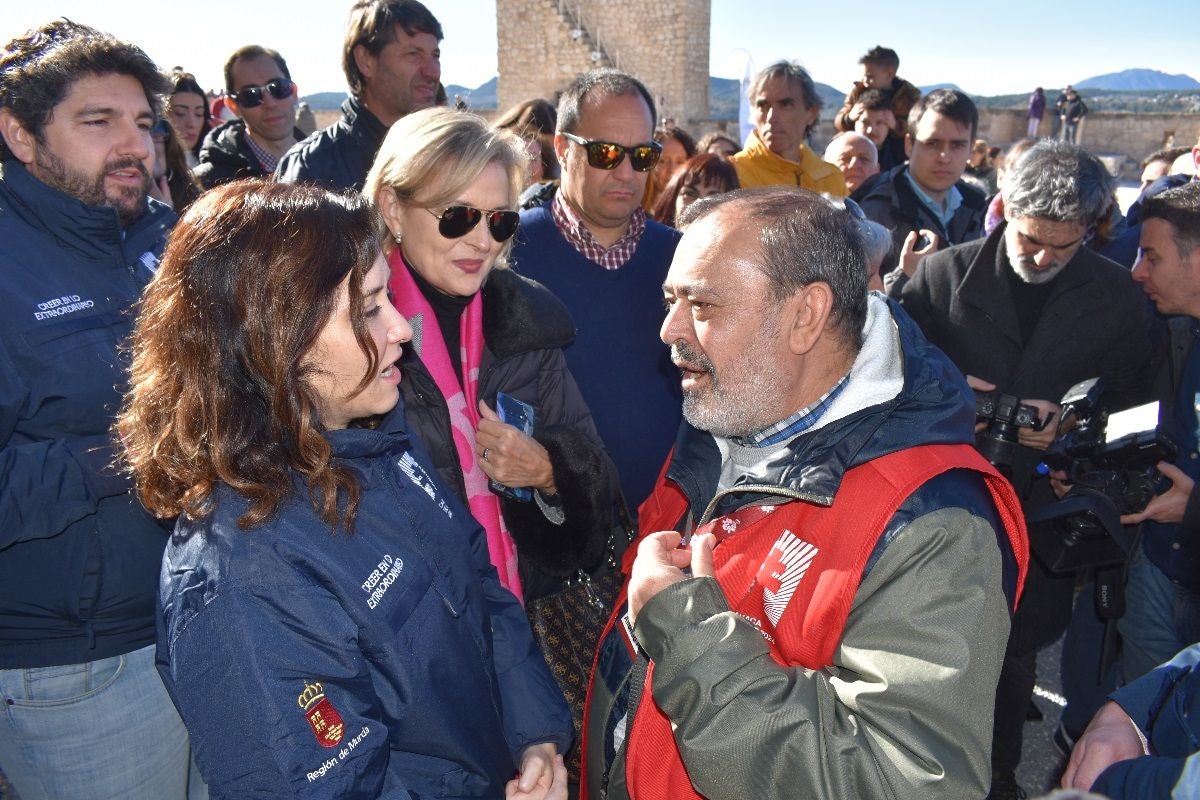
(400,632)
(340,156)
(78,555)
(1165,706)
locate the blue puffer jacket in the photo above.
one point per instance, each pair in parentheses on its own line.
(399,633)
(78,556)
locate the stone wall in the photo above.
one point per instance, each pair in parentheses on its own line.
(1133,135)
(543,44)
(1122,139)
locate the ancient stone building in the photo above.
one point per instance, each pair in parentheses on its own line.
(543,44)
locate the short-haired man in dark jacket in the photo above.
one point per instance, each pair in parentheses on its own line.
(927,197)
(259,89)
(392,60)
(1031,311)
(1163,598)
(85,713)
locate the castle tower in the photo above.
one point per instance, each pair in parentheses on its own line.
(544,44)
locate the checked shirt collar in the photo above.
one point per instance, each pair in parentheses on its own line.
(574,231)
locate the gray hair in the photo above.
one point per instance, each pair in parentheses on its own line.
(1058,181)
(803,239)
(605,83)
(877,243)
(795,75)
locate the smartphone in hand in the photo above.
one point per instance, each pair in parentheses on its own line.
(520,415)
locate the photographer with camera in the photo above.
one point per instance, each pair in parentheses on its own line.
(1028,313)
(1163,592)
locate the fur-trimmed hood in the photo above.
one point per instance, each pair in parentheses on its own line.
(520,314)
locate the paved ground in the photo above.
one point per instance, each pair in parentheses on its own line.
(1040,762)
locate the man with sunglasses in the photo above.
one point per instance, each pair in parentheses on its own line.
(262,94)
(1031,311)
(85,713)
(392,59)
(593,246)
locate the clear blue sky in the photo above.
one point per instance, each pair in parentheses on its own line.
(986,48)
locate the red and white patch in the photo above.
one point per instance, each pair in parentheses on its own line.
(323,718)
(782,571)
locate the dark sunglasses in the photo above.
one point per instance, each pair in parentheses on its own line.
(454,222)
(252,96)
(608,155)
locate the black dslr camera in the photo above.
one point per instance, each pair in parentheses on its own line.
(1108,478)
(1005,415)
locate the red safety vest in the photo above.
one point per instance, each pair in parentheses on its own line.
(793,573)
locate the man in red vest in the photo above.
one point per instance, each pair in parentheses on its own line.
(854,563)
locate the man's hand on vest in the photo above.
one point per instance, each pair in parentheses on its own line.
(660,563)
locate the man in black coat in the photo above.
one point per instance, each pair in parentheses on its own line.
(1030,312)
(392,60)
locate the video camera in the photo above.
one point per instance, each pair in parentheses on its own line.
(1005,415)
(1111,464)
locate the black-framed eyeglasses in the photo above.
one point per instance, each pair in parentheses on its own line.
(454,222)
(609,155)
(252,96)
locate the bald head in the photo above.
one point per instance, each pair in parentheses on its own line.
(855,155)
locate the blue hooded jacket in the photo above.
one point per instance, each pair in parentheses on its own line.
(78,555)
(399,633)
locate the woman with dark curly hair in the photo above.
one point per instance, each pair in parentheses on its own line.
(331,625)
(699,177)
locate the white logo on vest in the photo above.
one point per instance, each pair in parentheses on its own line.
(780,574)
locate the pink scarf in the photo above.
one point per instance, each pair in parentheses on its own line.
(462,399)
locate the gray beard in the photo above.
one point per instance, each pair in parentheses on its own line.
(728,411)
(1032,276)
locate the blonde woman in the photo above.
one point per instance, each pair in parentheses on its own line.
(446,186)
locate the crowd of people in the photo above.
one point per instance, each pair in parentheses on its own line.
(299,427)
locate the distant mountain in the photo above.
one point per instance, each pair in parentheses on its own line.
(482,97)
(928,89)
(1138,80)
(832,98)
(724,95)
(324,101)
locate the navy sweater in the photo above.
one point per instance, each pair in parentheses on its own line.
(622,368)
